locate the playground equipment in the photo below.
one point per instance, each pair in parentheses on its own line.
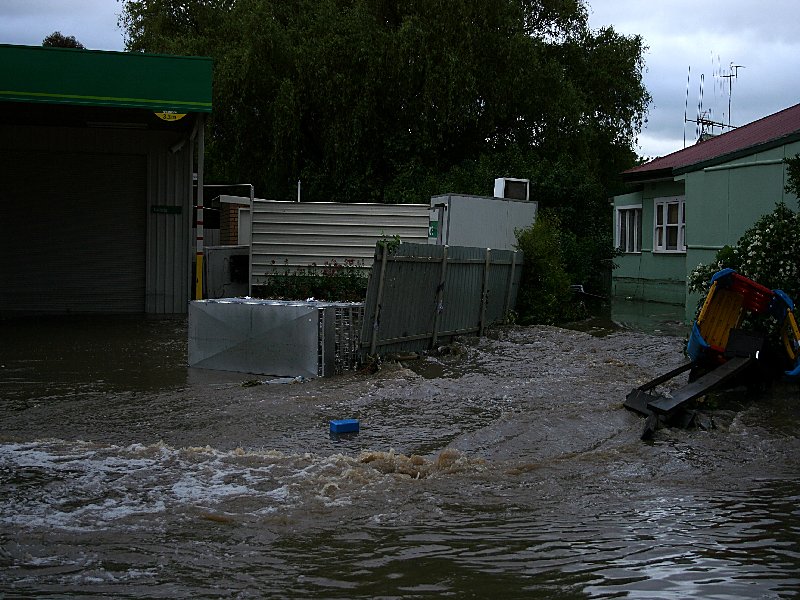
(724,347)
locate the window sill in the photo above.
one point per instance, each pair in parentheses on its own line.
(669,251)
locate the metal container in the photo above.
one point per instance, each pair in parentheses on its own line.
(274,337)
(478,221)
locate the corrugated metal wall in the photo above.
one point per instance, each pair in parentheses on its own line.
(61,235)
(169,240)
(423,295)
(127,177)
(299,234)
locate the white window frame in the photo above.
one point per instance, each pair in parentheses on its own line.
(632,244)
(661,230)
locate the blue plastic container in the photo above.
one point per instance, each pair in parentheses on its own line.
(344,426)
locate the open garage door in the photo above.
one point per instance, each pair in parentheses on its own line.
(72,232)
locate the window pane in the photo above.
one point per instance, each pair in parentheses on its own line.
(672,238)
(631,244)
(623,229)
(659,214)
(672,214)
(638,229)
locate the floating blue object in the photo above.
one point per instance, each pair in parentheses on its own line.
(344,426)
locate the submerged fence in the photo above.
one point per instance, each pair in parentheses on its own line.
(420,295)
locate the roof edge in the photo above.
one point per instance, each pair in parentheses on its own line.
(159,82)
(769,145)
(96,51)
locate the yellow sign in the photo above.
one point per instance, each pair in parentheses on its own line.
(170,115)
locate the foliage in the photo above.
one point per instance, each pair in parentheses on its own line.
(395,101)
(545,295)
(59,40)
(390,243)
(333,282)
(793,175)
(768,253)
(399,100)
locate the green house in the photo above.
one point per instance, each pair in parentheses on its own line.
(685,206)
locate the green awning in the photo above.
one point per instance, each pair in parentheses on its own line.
(97,78)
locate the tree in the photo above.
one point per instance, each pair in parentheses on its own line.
(399,100)
(59,40)
(545,296)
(793,175)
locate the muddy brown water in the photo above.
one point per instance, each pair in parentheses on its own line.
(508,466)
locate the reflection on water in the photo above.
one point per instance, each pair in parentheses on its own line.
(55,357)
(508,468)
(655,318)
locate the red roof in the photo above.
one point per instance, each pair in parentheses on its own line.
(771,128)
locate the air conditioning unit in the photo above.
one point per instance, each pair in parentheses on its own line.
(514,189)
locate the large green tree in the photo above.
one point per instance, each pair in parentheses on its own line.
(389,100)
(397,100)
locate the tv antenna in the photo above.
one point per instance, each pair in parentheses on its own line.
(732,74)
(704,122)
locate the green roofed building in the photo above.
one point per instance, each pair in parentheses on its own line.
(97,156)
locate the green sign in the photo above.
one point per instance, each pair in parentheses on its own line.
(433,229)
(161,209)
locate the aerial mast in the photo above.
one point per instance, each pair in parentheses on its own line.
(704,122)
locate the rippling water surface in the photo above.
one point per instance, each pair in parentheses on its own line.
(507,466)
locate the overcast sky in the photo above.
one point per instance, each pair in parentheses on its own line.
(707,36)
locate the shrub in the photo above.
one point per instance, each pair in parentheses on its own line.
(333,282)
(544,294)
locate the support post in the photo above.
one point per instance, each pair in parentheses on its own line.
(509,287)
(437,317)
(485,292)
(198,281)
(250,242)
(378,299)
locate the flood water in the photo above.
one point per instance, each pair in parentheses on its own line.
(507,466)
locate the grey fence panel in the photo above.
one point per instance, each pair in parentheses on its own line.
(420,296)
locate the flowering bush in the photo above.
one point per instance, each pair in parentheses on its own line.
(768,253)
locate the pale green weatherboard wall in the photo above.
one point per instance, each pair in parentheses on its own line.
(655,277)
(722,202)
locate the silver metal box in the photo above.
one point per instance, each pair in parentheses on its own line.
(274,337)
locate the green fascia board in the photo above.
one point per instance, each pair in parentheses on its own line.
(99,78)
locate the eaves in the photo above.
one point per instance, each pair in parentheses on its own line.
(718,160)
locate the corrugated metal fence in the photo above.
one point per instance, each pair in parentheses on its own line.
(299,234)
(420,295)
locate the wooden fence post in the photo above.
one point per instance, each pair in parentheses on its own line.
(485,291)
(378,298)
(510,285)
(439,296)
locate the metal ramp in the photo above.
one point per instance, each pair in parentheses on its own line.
(742,352)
